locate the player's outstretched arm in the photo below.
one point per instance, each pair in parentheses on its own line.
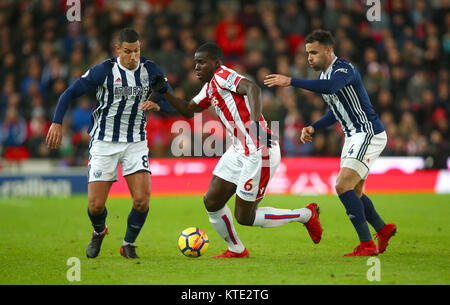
(88,81)
(277,80)
(325,86)
(54,134)
(186,109)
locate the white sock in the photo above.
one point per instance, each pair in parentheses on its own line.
(222,221)
(124,243)
(267,217)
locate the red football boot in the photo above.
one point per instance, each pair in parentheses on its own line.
(365,248)
(230,254)
(313,225)
(384,235)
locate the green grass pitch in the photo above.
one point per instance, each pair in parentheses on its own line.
(39,235)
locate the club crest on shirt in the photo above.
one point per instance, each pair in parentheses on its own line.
(230,80)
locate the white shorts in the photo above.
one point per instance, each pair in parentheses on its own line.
(104,159)
(250,173)
(361,150)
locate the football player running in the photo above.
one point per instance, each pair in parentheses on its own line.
(247,166)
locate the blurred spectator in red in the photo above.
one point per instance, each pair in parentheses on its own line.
(230,36)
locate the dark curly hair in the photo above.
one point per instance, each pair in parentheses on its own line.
(322,36)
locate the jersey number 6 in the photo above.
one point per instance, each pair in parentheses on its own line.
(248,186)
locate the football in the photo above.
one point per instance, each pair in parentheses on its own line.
(193,242)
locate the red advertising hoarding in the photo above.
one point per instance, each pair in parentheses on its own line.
(295,176)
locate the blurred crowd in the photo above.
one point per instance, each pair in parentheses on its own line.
(403,59)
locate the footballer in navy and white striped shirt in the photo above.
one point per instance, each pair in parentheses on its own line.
(365,138)
(118,134)
(120,88)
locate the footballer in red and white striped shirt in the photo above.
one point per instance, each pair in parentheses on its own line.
(246,167)
(232,108)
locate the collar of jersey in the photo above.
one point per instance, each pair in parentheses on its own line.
(126,69)
(222,67)
(330,67)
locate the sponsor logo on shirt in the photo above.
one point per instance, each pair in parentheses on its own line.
(344,70)
(131,91)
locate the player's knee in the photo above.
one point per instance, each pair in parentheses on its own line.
(140,203)
(206,203)
(96,207)
(342,188)
(212,205)
(359,189)
(140,206)
(244,218)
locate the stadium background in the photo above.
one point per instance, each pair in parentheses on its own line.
(404,61)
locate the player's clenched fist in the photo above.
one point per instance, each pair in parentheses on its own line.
(307,133)
(159,84)
(54,136)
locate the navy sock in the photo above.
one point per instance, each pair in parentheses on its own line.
(371,214)
(135,222)
(355,211)
(98,220)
